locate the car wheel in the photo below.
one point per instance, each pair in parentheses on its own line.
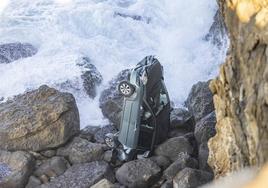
(126,89)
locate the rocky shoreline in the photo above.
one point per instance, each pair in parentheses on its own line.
(42,144)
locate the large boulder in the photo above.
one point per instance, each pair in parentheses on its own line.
(15,169)
(173,147)
(38,120)
(14,51)
(82,176)
(111,101)
(191,178)
(138,173)
(91,77)
(200,100)
(241,90)
(82,151)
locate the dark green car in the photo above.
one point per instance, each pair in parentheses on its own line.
(146,111)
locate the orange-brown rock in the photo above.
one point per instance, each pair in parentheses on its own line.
(241,90)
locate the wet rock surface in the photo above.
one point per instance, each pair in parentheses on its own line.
(38,120)
(83,160)
(91,77)
(200,100)
(13,51)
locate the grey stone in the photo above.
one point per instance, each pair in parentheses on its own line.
(16,167)
(111,101)
(138,173)
(33,182)
(13,51)
(205,128)
(38,120)
(161,161)
(100,134)
(182,119)
(191,178)
(82,151)
(82,176)
(183,161)
(52,167)
(173,147)
(90,75)
(200,100)
(104,183)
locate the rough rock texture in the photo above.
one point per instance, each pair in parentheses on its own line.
(82,176)
(173,147)
(191,178)
(15,169)
(90,75)
(104,183)
(138,173)
(183,161)
(111,101)
(182,119)
(38,120)
(217,32)
(81,151)
(52,167)
(241,90)
(200,100)
(14,51)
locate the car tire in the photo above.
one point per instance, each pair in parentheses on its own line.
(125,88)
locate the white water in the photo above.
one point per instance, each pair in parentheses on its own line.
(64,30)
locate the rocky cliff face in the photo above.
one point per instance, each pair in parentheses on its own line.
(241,90)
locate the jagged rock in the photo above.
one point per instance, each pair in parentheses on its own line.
(181,119)
(191,178)
(81,151)
(173,147)
(111,101)
(204,130)
(91,77)
(241,90)
(161,161)
(138,173)
(104,183)
(200,100)
(15,169)
(183,161)
(38,120)
(33,182)
(217,32)
(82,175)
(14,51)
(52,167)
